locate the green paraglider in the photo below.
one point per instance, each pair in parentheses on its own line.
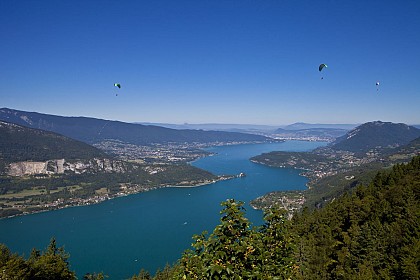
(322,66)
(118,86)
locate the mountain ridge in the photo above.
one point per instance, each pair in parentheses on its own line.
(376,134)
(302,125)
(91,130)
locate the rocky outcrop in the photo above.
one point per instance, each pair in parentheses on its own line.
(27,168)
(60,166)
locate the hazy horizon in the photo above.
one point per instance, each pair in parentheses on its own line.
(214,123)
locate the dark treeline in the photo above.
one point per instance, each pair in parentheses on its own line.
(372,233)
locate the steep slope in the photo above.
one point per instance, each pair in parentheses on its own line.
(376,135)
(91,130)
(410,147)
(19,143)
(373,233)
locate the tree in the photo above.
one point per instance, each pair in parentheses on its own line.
(94,276)
(236,251)
(143,275)
(52,264)
(277,245)
(12,266)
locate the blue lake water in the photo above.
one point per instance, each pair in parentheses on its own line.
(148,230)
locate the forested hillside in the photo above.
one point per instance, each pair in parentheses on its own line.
(376,134)
(19,143)
(374,233)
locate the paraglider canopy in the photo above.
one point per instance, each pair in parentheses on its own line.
(322,66)
(118,86)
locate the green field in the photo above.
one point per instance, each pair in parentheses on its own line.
(26,193)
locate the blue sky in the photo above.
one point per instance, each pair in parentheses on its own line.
(213,61)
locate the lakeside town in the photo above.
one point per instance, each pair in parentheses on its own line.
(163,153)
(320,163)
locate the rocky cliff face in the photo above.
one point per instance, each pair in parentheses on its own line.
(60,166)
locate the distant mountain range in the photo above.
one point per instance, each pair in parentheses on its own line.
(301,125)
(252,127)
(327,132)
(376,134)
(218,126)
(91,130)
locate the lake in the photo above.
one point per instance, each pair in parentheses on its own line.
(148,230)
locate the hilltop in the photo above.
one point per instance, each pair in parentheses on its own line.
(376,135)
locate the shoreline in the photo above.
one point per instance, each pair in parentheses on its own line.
(126,189)
(131,189)
(220,178)
(102,198)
